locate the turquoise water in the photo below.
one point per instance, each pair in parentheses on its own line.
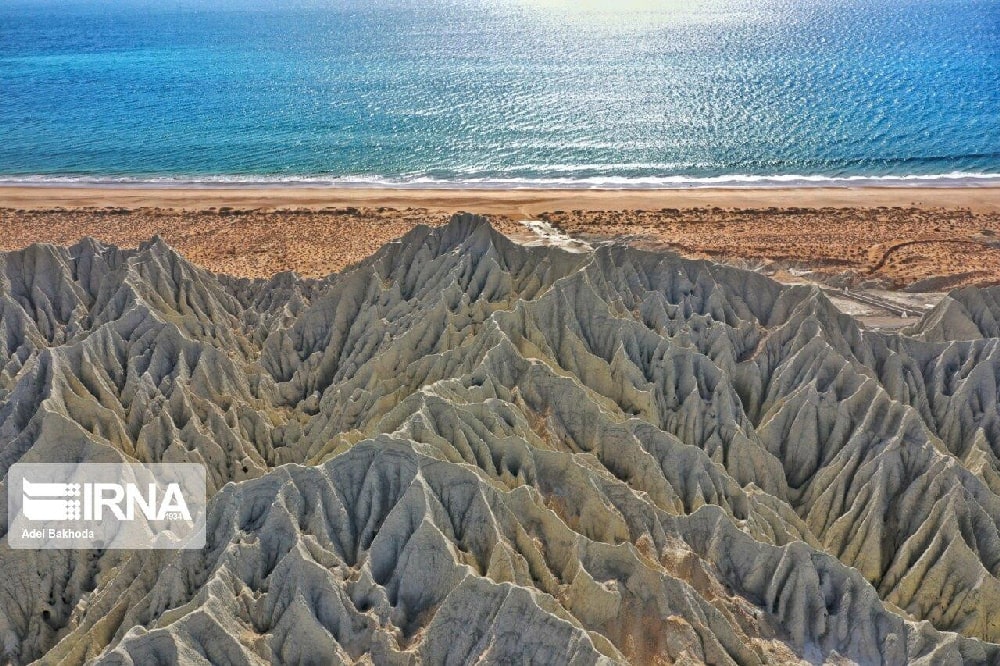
(502,91)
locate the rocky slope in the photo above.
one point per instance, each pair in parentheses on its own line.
(464,449)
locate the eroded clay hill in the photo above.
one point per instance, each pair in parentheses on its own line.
(463,449)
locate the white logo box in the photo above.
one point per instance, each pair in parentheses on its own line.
(106,506)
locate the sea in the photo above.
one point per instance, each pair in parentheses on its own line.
(500,93)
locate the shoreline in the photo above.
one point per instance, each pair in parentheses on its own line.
(960,179)
(520,202)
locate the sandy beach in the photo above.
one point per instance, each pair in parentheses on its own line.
(500,201)
(924,238)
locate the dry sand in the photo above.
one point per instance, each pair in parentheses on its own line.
(929,249)
(524,202)
(891,236)
(250,243)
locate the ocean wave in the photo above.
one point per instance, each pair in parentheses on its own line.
(953,179)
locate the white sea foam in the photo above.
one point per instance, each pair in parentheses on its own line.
(953,179)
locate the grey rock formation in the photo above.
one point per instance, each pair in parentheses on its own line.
(965,314)
(464,449)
